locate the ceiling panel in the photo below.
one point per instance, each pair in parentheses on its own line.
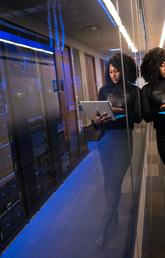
(87,22)
(155,16)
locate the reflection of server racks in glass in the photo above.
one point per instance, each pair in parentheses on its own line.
(38,140)
(52,114)
(30,101)
(68,106)
(12,214)
(79,96)
(34,110)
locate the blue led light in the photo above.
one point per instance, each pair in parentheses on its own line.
(56,33)
(119,116)
(19,29)
(161,112)
(62,27)
(12,39)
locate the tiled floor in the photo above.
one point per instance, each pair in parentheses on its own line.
(154,233)
(68,223)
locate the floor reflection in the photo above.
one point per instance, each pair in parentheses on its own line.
(67,225)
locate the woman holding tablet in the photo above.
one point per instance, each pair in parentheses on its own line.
(153,94)
(115,147)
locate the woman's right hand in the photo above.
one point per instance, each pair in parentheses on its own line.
(101,118)
(118,110)
(162,107)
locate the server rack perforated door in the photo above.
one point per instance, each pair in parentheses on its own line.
(50,94)
(24,82)
(12,214)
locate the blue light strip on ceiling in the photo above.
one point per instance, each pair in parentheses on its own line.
(107,13)
(12,39)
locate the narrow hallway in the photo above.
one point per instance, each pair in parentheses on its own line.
(68,223)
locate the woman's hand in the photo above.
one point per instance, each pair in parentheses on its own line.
(118,110)
(101,118)
(162,107)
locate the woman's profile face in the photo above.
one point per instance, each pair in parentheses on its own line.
(114,74)
(162,69)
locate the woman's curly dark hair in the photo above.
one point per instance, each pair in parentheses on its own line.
(130,67)
(150,67)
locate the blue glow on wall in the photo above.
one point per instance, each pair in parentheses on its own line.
(62,27)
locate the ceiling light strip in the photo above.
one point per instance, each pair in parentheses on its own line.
(108,14)
(112,10)
(115,49)
(162,36)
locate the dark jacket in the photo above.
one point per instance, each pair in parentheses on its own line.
(153,96)
(116,95)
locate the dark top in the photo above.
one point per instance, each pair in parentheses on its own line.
(115,93)
(152,97)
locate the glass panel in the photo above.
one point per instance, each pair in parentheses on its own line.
(96,209)
(134,178)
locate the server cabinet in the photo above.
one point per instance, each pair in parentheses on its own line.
(79,91)
(68,104)
(55,124)
(39,139)
(12,215)
(18,71)
(71,106)
(30,126)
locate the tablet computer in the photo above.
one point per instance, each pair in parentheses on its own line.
(91,108)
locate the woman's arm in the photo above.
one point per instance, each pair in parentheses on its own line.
(137,107)
(149,112)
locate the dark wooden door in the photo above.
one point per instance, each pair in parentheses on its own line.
(91,77)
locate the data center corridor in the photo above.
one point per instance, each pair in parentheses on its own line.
(67,225)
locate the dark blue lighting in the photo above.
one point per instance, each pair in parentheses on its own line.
(119,116)
(19,29)
(107,13)
(62,27)
(56,28)
(20,40)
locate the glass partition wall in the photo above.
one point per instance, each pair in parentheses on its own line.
(100,213)
(131,209)
(116,230)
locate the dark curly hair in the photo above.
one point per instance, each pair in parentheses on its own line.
(150,67)
(130,67)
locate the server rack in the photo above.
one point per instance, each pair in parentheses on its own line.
(27,101)
(12,214)
(55,124)
(35,147)
(76,147)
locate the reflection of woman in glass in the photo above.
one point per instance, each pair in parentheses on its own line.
(115,146)
(153,94)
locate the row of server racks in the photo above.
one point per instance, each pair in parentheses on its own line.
(39,144)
